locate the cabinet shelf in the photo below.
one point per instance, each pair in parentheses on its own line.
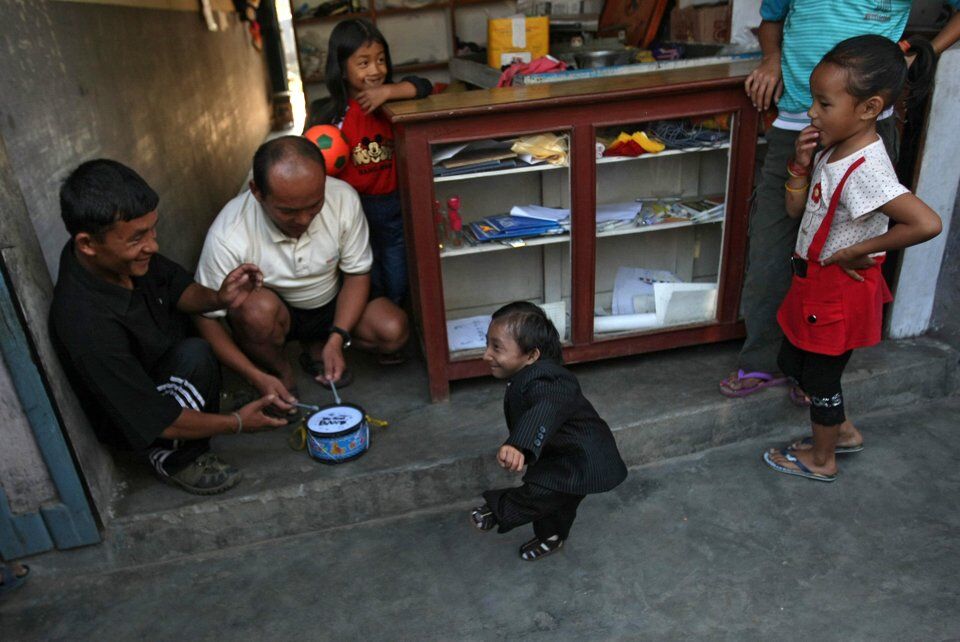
(565,238)
(606,160)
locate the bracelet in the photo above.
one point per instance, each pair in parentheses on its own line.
(796,190)
(239,423)
(796,170)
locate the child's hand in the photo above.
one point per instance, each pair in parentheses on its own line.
(850,261)
(806,145)
(510,458)
(370,99)
(764,85)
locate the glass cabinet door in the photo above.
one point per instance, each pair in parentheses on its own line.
(661,192)
(502,214)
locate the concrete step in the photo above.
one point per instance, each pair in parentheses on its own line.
(659,405)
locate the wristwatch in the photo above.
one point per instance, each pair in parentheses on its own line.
(347,339)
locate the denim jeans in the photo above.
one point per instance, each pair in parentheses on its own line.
(388,276)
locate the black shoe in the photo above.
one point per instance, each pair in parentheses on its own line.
(537,548)
(206,475)
(483,518)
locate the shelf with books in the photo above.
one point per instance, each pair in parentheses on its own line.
(493,246)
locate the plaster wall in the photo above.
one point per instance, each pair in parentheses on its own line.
(151,88)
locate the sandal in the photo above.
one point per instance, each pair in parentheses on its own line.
(11,580)
(800,471)
(799,397)
(483,518)
(808,441)
(767,380)
(537,548)
(391,358)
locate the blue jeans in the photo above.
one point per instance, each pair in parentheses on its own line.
(388,276)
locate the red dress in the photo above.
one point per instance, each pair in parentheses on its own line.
(826,311)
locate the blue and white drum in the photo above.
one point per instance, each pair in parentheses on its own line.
(337,433)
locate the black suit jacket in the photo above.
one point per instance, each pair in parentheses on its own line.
(567,446)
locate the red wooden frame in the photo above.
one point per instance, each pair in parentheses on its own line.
(579,108)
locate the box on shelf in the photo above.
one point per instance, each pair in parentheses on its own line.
(701,24)
(517,39)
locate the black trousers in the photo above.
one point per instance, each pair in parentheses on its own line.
(551,511)
(819,376)
(190,373)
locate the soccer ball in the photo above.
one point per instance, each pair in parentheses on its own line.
(333,145)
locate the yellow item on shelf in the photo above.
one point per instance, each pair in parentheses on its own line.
(648,144)
(517,39)
(548,147)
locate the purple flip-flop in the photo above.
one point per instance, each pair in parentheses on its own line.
(767,380)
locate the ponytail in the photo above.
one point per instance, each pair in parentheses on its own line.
(920,74)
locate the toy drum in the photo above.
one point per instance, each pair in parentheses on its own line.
(337,433)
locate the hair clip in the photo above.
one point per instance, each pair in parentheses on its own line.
(904,46)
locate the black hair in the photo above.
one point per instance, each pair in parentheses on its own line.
(278,149)
(345,39)
(875,66)
(101,192)
(530,328)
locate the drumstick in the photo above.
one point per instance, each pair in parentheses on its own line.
(307,406)
(335,395)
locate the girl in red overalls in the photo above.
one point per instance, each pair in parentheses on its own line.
(847,194)
(359,76)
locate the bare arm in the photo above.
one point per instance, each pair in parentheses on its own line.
(350,305)
(916,223)
(243,280)
(371,99)
(764,84)
(230,355)
(193,424)
(948,35)
(797,187)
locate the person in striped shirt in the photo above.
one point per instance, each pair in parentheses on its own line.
(794,36)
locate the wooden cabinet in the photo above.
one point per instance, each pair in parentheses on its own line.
(583,275)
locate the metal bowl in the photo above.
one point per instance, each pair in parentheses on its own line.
(603,58)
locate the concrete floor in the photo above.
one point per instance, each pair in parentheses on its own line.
(713,545)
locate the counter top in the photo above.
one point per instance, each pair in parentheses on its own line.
(568,93)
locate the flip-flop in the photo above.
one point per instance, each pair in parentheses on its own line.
(839,450)
(799,397)
(767,380)
(315,369)
(10,579)
(803,470)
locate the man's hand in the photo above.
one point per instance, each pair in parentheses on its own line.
(370,99)
(764,85)
(850,261)
(806,145)
(253,418)
(268,385)
(238,285)
(333,362)
(510,458)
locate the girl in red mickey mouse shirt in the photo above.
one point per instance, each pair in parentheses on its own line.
(847,194)
(359,76)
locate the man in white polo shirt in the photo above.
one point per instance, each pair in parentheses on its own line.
(307,233)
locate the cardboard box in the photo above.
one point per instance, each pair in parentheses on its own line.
(700,24)
(517,39)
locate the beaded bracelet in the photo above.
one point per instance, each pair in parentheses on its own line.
(239,423)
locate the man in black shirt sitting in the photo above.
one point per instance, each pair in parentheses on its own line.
(119,320)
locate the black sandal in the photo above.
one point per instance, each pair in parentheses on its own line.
(537,548)
(483,518)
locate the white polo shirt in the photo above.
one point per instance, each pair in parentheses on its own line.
(303,271)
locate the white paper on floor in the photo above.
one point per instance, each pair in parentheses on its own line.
(678,303)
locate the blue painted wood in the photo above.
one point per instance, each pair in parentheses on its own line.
(21,535)
(74,524)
